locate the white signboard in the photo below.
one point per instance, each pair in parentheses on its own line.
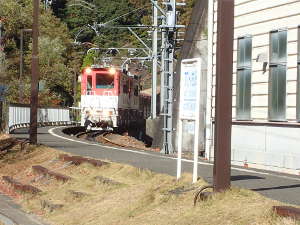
(189,106)
(189,85)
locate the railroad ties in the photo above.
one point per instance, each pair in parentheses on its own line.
(21,187)
(23,184)
(77,160)
(48,173)
(8,143)
(287,211)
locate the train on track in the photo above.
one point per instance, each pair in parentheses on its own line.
(110,99)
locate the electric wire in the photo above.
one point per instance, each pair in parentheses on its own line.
(118,17)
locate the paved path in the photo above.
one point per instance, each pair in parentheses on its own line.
(282,187)
(11,214)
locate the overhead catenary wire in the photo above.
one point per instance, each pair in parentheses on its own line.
(118,17)
(106,23)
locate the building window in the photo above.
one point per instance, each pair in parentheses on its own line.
(277,77)
(243,84)
(298,78)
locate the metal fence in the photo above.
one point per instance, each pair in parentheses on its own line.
(19,116)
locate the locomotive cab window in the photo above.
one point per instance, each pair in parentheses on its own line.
(104,80)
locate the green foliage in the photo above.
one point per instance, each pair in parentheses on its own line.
(185,12)
(108,12)
(55,51)
(88,60)
(60,61)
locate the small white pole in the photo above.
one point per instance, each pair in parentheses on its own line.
(179,150)
(197,121)
(196,143)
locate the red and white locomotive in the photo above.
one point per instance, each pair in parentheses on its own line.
(109,98)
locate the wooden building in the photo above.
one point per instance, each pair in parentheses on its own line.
(266,84)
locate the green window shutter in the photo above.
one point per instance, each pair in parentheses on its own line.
(243,98)
(277,76)
(277,93)
(241,53)
(248,52)
(274,47)
(298,91)
(243,87)
(282,46)
(298,79)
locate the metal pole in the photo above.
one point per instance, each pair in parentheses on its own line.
(75,87)
(154,61)
(169,95)
(35,74)
(162,74)
(223,116)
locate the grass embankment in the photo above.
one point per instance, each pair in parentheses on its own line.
(134,196)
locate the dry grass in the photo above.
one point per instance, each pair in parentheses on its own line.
(2,137)
(142,197)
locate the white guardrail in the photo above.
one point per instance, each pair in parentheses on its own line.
(19,116)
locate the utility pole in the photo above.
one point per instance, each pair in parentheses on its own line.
(154,61)
(223,115)
(1,48)
(35,74)
(21,91)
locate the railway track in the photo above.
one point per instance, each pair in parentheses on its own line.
(99,136)
(102,137)
(105,140)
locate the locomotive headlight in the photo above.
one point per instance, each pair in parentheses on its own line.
(88,70)
(112,71)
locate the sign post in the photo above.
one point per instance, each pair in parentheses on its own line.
(189,107)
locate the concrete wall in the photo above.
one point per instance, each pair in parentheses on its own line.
(194,46)
(266,147)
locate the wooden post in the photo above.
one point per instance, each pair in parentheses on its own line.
(223,115)
(35,74)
